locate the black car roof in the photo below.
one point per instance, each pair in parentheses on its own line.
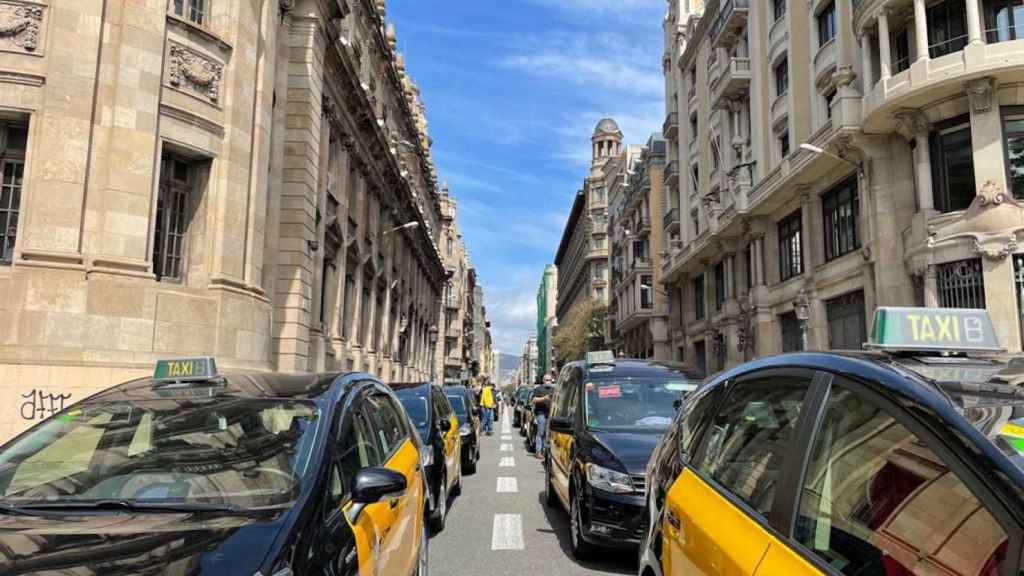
(405,386)
(244,384)
(631,367)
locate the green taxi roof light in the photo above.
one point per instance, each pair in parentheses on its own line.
(185,370)
(600,357)
(933,330)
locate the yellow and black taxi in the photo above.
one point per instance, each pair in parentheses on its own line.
(607,415)
(195,472)
(441,454)
(468,414)
(903,459)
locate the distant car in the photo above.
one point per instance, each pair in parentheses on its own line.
(435,421)
(522,395)
(468,414)
(201,473)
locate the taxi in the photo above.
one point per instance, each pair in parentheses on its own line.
(903,459)
(432,415)
(193,471)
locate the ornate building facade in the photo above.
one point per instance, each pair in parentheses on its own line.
(250,180)
(839,156)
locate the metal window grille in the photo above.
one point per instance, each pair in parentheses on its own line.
(11,176)
(792,338)
(791,260)
(719,285)
(698,297)
(171,218)
(847,321)
(841,212)
(961,284)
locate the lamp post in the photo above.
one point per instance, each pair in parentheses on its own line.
(406,226)
(432,336)
(803,314)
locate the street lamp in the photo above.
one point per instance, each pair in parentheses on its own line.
(432,336)
(406,226)
(819,151)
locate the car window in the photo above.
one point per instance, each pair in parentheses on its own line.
(417,406)
(693,413)
(443,405)
(751,435)
(358,447)
(572,390)
(877,500)
(390,430)
(458,403)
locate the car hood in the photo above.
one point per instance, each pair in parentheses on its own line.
(631,449)
(128,544)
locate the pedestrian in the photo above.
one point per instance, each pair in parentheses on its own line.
(487,404)
(541,408)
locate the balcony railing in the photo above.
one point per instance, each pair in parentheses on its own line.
(671,177)
(732,16)
(452,302)
(671,127)
(671,219)
(454,332)
(734,79)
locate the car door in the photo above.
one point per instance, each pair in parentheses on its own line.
(882,495)
(403,514)
(718,511)
(449,439)
(358,448)
(561,444)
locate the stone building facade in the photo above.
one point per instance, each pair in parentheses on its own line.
(638,313)
(547,301)
(250,180)
(582,258)
(839,156)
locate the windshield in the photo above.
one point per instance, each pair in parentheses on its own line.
(239,452)
(415,404)
(634,403)
(459,406)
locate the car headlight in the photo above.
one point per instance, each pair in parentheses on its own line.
(464,430)
(426,456)
(609,480)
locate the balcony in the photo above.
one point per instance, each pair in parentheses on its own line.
(671,177)
(671,220)
(453,362)
(643,223)
(454,332)
(734,80)
(452,303)
(732,17)
(671,127)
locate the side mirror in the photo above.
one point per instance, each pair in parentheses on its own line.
(372,485)
(446,425)
(561,425)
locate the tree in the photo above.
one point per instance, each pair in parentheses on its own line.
(582,331)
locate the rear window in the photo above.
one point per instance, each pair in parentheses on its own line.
(415,404)
(628,403)
(458,403)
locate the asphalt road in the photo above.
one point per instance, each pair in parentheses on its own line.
(500,525)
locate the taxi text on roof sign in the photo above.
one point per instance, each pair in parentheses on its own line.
(600,357)
(933,329)
(185,369)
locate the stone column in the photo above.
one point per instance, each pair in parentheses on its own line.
(931,288)
(884,50)
(867,64)
(808,230)
(921,29)
(987,137)
(973,22)
(913,124)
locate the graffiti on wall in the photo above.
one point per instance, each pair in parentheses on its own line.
(40,404)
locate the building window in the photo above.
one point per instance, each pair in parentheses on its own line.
(791,257)
(716,155)
(695,177)
(12,173)
(693,127)
(196,11)
(840,210)
(953,168)
(829,98)
(695,222)
(792,335)
(900,52)
(782,77)
(698,297)
(172,216)
(784,144)
(599,294)
(779,8)
(1013,134)
(847,326)
(646,292)
(719,285)
(827,24)
(947,28)
(961,284)
(1004,20)
(700,353)
(748,266)
(451,246)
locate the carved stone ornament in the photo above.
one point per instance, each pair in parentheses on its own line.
(910,122)
(19,26)
(844,76)
(194,73)
(980,92)
(996,251)
(286,5)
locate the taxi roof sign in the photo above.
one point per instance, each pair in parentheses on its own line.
(185,370)
(600,357)
(933,330)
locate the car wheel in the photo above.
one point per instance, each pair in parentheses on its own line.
(549,491)
(437,518)
(422,559)
(581,549)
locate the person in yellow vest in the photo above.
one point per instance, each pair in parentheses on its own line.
(487,404)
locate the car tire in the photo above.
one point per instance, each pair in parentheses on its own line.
(423,558)
(581,549)
(471,465)
(440,512)
(550,498)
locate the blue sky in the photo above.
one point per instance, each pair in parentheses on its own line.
(513,90)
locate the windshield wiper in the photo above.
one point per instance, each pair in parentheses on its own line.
(123,505)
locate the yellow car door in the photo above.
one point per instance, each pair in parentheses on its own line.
(706,534)
(371,525)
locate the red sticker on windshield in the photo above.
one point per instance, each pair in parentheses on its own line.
(609,392)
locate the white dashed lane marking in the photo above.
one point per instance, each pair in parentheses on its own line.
(506,447)
(508,532)
(507,485)
(507,462)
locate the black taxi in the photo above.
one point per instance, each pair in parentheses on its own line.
(607,415)
(195,472)
(903,459)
